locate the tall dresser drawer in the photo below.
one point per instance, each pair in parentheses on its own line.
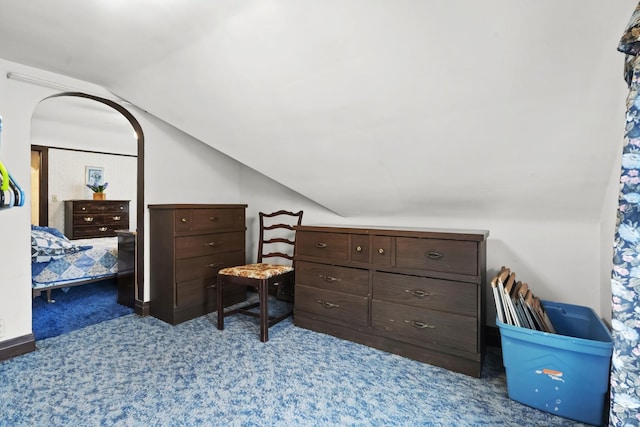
(426,292)
(425,326)
(450,256)
(211,219)
(333,278)
(333,307)
(207,244)
(206,265)
(329,246)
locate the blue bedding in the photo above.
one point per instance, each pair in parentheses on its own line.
(96,258)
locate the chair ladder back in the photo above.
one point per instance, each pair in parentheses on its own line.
(290,219)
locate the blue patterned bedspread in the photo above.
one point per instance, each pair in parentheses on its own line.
(101,260)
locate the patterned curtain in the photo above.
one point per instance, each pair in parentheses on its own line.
(625,278)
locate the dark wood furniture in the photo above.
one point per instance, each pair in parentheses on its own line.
(418,293)
(126,267)
(85,219)
(276,241)
(189,243)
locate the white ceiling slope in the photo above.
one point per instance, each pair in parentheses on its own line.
(500,108)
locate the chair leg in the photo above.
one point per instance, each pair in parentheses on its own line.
(263,291)
(220,304)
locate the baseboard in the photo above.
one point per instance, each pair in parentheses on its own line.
(142,308)
(17,346)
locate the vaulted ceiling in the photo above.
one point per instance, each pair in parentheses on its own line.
(501,108)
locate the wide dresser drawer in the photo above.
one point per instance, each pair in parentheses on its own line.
(91,231)
(449,256)
(332,307)
(333,278)
(100,206)
(426,292)
(327,246)
(425,326)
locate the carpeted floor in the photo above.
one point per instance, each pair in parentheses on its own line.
(134,371)
(76,308)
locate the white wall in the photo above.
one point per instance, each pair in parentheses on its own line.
(561,260)
(67,181)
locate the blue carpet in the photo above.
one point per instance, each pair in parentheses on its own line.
(139,371)
(80,306)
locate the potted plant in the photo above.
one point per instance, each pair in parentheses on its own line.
(98,191)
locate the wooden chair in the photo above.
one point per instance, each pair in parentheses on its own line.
(276,241)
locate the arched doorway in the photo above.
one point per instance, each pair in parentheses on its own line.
(44,196)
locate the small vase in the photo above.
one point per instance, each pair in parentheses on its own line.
(99,196)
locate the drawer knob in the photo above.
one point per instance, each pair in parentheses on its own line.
(213,244)
(434,255)
(211,286)
(321,245)
(419,325)
(88,219)
(103,229)
(213,219)
(358,248)
(327,304)
(418,293)
(121,208)
(214,265)
(83,208)
(117,218)
(183,219)
(381,251)
(329,278)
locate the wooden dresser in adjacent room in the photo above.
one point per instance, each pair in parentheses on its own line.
(84,219)
(189,243)
(415,292)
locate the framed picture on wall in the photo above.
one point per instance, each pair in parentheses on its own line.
(94,175)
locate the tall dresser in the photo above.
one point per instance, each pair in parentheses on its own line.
(418,293)
(189,243)
(85,219)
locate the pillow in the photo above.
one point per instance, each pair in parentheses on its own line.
(46,246)
(51,230)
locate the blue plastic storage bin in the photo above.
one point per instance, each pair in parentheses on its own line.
(565,374)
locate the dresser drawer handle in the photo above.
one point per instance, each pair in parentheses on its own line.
(117,218)
(359,249)
(88,219)
(321,245)
(211,286)
(329,278)
(381,251)
(418,293)
(215,265)
(419,325)
(327,304)
(213,244)
(434,255)
(213,219)
(103,229)
(183,220)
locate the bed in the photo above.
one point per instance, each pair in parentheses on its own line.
(57,262)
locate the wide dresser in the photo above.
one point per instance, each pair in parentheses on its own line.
(84,219)
(415,292)
(189,244)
